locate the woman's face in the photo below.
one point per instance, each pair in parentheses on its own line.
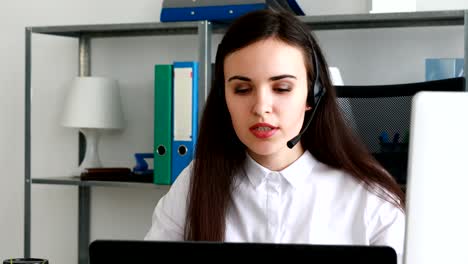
(266,91)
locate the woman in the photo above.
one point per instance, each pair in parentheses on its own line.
(246,185)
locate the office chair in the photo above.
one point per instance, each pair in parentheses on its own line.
(380,117)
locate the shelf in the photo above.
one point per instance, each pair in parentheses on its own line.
(377,20)
(76,181)
(381,20)
(120,30)
(325,22)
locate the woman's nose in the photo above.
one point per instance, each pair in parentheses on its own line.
(262,102)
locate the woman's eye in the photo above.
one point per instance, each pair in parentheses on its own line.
(241,90)
(282,89)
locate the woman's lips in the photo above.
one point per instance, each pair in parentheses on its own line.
(263,130)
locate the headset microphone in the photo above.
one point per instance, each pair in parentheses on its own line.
(319,91)
(291,143)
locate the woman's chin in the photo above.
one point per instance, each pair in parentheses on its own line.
(264,149)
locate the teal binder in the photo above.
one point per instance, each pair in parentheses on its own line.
(162,123)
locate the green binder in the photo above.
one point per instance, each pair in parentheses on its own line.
(162,123)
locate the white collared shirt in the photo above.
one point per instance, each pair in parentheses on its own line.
(308,202)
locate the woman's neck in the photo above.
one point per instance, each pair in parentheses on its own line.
(278,161)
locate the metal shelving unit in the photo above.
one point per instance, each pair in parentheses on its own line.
(204,30)
(84,34)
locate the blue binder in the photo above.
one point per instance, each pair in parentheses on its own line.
(184,115)
(220,12)
(216,10)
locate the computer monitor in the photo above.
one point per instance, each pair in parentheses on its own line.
(437,189)
(122,251)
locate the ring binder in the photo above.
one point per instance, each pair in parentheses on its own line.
(185,115)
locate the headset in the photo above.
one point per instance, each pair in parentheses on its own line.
(318,92)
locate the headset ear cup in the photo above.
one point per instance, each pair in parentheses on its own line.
(314,93)
(316,88)
(310,97)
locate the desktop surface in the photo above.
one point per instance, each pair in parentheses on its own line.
(128,251)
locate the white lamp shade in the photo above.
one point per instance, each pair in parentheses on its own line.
(93,102)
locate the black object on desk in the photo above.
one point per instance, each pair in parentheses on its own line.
(114,174)
(26,261)
(126,251)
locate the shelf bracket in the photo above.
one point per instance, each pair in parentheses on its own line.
(84,203)
(27,147)
(204,80)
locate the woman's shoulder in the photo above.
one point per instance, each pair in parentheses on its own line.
(337,179)
(371,197)
(183,179)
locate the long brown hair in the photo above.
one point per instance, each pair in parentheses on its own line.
(220,154)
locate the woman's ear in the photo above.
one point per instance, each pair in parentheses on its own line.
(308,107)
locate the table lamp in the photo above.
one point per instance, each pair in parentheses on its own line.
(92,104)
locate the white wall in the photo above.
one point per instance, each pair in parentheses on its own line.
(315,7)
(429,5)
(363,56)
(383,6)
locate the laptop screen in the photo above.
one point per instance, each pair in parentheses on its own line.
(120,251)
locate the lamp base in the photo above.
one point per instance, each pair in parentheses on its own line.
(91,158)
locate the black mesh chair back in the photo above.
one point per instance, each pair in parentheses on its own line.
(380,116)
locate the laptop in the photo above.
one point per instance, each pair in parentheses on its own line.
(437,188)
(131,251)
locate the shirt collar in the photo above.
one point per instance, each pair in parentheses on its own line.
(295,174)
(255,172)
(299,171)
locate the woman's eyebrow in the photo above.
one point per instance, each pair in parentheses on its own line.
(273,78)
(239,77)
(282,76)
